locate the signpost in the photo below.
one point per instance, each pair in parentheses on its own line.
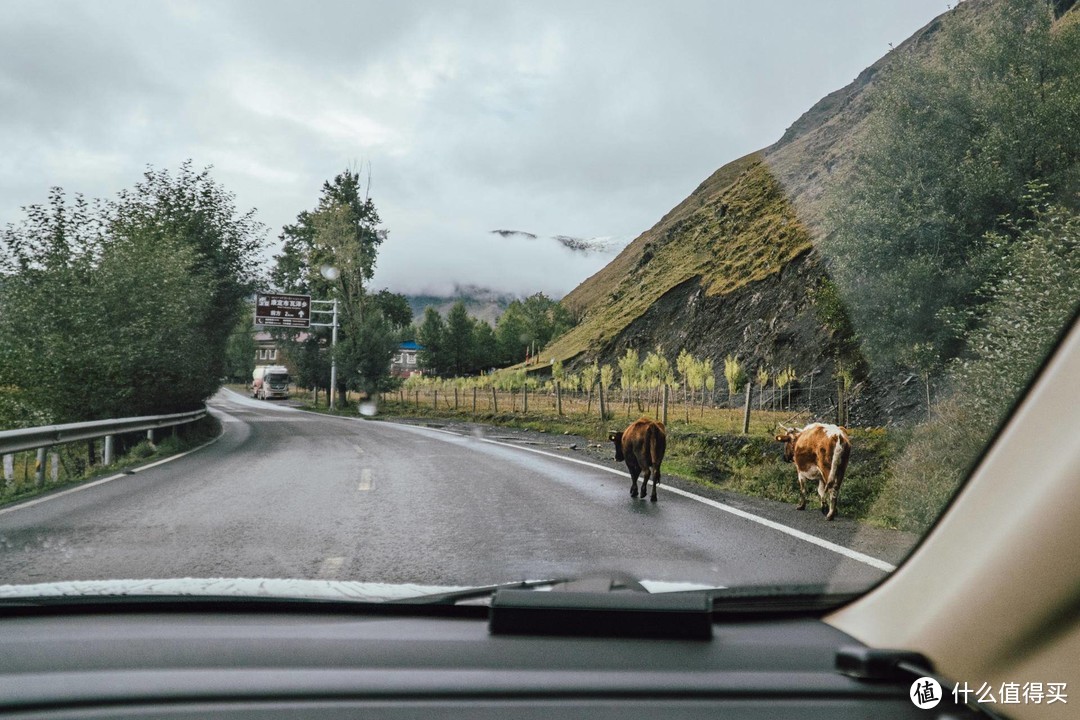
(277,310)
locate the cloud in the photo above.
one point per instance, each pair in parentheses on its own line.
(585,122)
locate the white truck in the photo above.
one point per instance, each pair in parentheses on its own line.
(270,381)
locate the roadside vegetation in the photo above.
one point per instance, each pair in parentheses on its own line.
(122,307)
(117,308)
(964,200)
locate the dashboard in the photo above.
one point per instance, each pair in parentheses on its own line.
(166,662)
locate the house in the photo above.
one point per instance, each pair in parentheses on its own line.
(266,350)
(404,362)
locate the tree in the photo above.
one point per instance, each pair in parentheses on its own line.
(240,351)
(485,346)
(529,324)
(457,341)
(432,335)
(708,381)
(683,364)
(1019,324)
(330,252)
(90,327)
(734,374)
(394,308)
(762,381)
(629,374)
(370,351)
(607,376)
(589,375)
(656,373)
(956,133)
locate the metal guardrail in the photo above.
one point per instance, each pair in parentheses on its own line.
(40,438)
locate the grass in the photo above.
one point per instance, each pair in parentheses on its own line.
(74,467)
(603,283)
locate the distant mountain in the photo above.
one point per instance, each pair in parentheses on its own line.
(481,303)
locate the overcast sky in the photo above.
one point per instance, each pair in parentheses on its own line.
(584,119)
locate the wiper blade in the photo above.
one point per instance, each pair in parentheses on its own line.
(455,597)
(598,583)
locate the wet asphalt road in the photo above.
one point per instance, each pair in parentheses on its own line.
(284,493)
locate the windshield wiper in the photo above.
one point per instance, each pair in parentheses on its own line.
(600,583)
(481,592)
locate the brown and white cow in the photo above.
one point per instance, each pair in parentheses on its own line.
(819,452)
(642,446)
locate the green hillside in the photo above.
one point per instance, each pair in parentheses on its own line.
(741,232)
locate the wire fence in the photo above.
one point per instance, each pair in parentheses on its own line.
(786,405)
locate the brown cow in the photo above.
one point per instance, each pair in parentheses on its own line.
(819,452)
(642,445)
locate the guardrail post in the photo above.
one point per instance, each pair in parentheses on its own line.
(39,467)
(150,436)
(108,452)
(9,469)
(54,466)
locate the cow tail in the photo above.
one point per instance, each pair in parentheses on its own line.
(841,452)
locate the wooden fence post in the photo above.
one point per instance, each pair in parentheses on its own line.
(664,413)
(603,412)
(474,400)
(746,409)
(558,398)
(494,400)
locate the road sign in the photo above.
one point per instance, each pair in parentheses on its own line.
(283,310)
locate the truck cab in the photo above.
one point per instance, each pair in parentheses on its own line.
(270,381)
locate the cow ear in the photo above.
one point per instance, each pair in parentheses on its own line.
(781,438)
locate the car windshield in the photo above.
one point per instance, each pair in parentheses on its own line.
(408,299)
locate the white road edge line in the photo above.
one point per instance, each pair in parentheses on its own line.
(780,527)
(102,481)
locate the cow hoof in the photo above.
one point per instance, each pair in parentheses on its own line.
(653,498)
(830,518)
(633,493)
(825,511)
